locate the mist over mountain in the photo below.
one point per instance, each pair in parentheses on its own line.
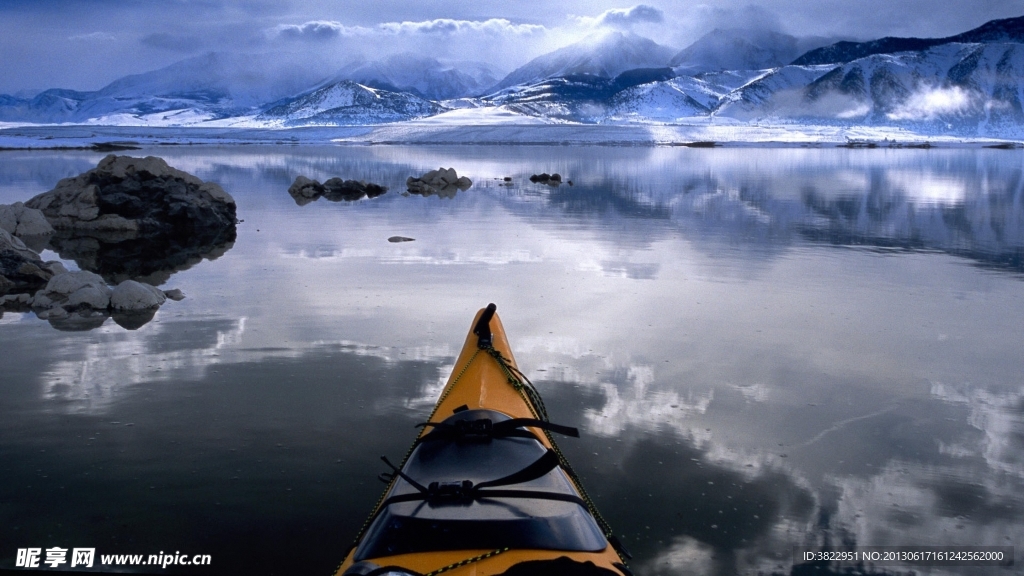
(736,49)
(602,55)
(217,84)
(423,76)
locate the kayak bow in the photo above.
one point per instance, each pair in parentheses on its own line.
(484,489)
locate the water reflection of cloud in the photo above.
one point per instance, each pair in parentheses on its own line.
(928,187)
(909,503)
(627,402)
(106,369)
(999,416)
(116,360)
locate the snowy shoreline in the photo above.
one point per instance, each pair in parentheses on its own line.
(696,134)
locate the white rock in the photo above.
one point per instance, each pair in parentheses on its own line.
(131,295)
(31,222)
(175,294)
(92,296)
(41,301)
(70,282)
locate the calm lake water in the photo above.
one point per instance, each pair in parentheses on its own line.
(763,348)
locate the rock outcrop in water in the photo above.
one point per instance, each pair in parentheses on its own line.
(545,178)
(137,218)
(305,190)
(444,182)
(125,194)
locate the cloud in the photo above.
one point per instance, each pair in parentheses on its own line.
(445,26)
(93,37)
(627,17)
(749,17)
(500,42)
(622,18)
(931,103)
(317,30)
(326,30)
(173,42)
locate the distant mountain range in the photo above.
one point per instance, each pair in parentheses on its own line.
(971,83)
(996,31)
(421,75)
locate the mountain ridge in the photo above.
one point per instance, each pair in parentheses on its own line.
(1003,30)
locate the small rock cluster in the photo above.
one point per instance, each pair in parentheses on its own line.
(443,182)
(82,295)
(545,178)
(305,190)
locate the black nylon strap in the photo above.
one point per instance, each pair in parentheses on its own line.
(542,424)
(484,494)
(484,428)
(538,468)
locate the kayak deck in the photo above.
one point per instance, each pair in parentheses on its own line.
(484,487)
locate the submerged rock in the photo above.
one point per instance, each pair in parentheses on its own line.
(444,182)
(305,190)
(175,294)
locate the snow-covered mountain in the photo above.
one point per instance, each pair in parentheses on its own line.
(676,98)
(349,103)
(602,55)
(736,49)
(576,97)
(967,88)
(212,85)
(421,75)
(995,31)
(970,84)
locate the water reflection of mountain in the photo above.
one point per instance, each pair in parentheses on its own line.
(976,214)
(985,228)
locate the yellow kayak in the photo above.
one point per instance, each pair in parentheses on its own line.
(484,489)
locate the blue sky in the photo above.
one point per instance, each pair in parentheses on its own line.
(85,44)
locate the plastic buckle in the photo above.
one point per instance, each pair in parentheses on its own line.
(450,490)
(482,427)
